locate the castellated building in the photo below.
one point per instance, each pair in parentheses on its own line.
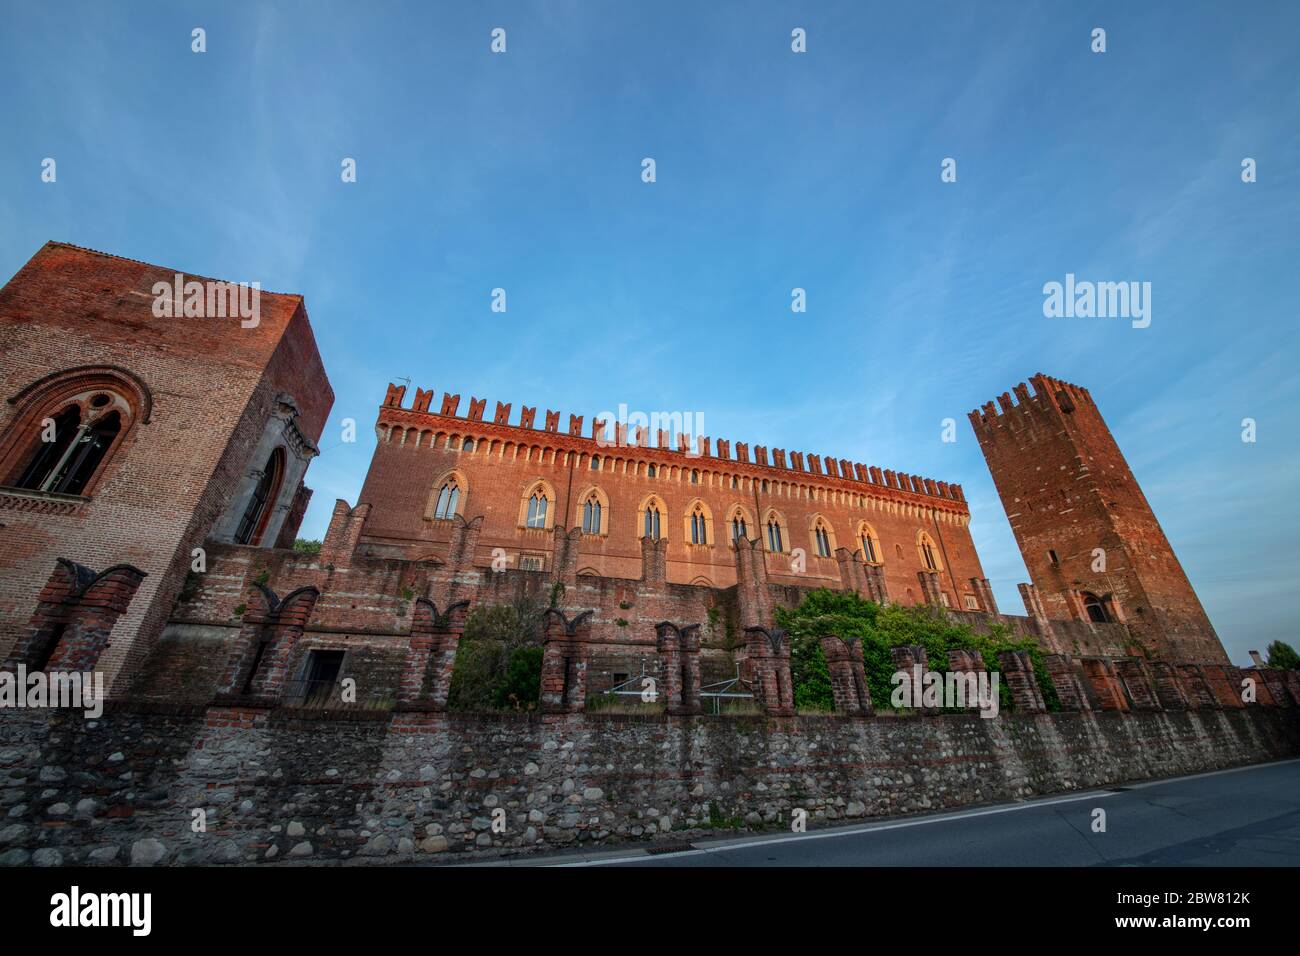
(149,532)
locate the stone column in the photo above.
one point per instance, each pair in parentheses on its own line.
(752,595)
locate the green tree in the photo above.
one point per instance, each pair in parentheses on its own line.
(1282,656)
(499,661)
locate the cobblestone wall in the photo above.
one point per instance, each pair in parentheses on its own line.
(414,786)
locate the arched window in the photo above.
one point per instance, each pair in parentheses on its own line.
(764,486)
(695,476)
(735,482)
(650,470)
(467,445)
(537,510)
(591,515)
(652,521)
(774,535)
(738,529)
(872,553)
(73,443)
(1095,607)
(448,498)
(699,527)
(258,510)
(928,557)
(822,540)
(595,463)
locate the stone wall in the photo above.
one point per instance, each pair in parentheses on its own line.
(410,785)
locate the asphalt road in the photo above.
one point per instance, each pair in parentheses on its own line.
(1243,817)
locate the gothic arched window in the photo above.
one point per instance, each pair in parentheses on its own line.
(258,510)
(774,535)
(822,539)
(1095,607)
(448,498)
(927,554)
(72,444)
(699,527)
(652,521)
(591,515)
(537,510)
(738,530)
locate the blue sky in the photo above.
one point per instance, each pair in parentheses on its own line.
(775,171)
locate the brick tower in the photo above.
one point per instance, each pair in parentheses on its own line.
(1093,547)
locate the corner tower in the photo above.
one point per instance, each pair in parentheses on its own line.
(1093,547)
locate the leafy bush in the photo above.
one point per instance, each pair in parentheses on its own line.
(880,628)
(499,661)
(306,546)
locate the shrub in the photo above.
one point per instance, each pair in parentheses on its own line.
(499,661)
(306,546)
(880,628)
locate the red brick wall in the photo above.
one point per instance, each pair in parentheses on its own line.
(211,384)
(1066,488)
(417,448)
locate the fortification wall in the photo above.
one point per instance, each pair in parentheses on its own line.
(414,786)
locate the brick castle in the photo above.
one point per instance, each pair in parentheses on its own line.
(151,488)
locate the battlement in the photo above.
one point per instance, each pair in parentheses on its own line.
(600,438)
(1049,395)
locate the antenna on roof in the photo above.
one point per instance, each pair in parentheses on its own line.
(400,379)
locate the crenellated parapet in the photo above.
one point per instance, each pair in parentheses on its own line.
(420,425)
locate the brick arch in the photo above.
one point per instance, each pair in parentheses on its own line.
(462,482)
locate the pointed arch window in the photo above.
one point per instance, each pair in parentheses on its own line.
(774,542)
(822,539)
(258,510)
(537,505)
(869,548)
(699,527)
(652,521)
(448,499)
(591,515)
(927,554)
(738,529)
(66,464)
(1095,608)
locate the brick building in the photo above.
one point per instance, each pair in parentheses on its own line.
(639,542)
(132,439)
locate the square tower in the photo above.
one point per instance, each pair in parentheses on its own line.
(1092,545)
